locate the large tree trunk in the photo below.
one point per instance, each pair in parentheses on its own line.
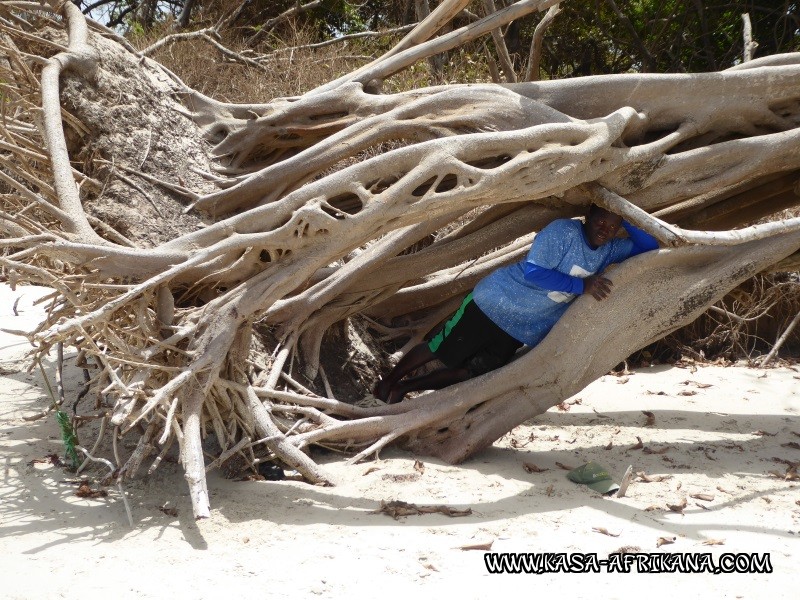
(322,207)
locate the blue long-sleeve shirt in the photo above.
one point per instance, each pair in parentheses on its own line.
(550,279)
(560,258)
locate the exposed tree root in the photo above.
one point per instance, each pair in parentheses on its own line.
(342,203)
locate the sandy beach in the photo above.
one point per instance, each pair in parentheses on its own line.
(713,460)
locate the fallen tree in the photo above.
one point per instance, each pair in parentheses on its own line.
(172,227)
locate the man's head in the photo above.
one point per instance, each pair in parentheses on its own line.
(601,226)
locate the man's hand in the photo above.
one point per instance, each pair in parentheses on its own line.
(599,287)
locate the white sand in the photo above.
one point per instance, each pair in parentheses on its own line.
(288,539)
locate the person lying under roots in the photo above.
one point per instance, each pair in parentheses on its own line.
(518,305)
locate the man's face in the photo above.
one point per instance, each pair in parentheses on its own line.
(601,227)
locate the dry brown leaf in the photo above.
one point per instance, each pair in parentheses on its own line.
(398,508)
(419,466)
(532,468)
(795,433)
(651,418)
(651,508)
(687,393)
(370,470)
(550,489)
(767,499)
(678,508)
(563,466)
(663,541)
(639,445)
(705,497)
(723,490)
(604,531)
(712,542)
(485,546)
(794,445)
(703,506)
(563,406)
(663,450)
(762,432)
(776,474)
(84,491)
(651,478)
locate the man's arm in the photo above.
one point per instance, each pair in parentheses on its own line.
(642,241)
(550,279)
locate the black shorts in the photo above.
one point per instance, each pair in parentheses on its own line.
(471,340)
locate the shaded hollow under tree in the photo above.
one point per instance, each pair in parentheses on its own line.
(169,224)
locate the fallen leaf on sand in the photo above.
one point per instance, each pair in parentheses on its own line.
(662,541)
(696,384)
(663,450)
(419,466)
(712,542)
(651,508)
(550,489)
(794,445)
(687,393)
(170,511)
(486,546)
(651,478)
(84,491)
(639,445)
(723,490)
(679,486)
(563,406)
(604,531)
(795,433)
(767,499)
(398,508)
(563,466)
(532,468)
(705,497)
(370,470)
(703,506)
(651,418)
(678,508)
(761,432)
(609,445)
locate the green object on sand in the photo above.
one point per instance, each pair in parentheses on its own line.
(595,476)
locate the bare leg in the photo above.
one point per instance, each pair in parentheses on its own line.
(414,358)
(435,380)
